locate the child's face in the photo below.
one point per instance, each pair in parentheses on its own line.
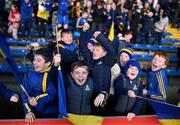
(158,62)
(89,4)
(90,47)
(80,75)
(128,37)
(26,1)
(84,15)
(98,52)
(161,11)
(78,4)
(146,5)
(13,7)
(39,63)
(157,7)
(108,7)
(123,58)
(150,14)
(132,72)
(67,38)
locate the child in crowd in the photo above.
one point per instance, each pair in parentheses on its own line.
(122,41)
(79,90)
(82,20)
(89,9)
(63,19)
(68,50)
(126,88)
(124,56)
(66,46)
(100,61)
(91,43)
(14,20)
(42,102)
(157,84)
(8,94)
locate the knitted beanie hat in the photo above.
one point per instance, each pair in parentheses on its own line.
(92,41)
(128,51)
(130,63)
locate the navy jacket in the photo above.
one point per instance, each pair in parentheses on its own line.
(79,98)
(125,104)
(69,54)
(148,23)
(100,69)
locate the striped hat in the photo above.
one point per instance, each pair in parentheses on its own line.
(92,41)
(128,51)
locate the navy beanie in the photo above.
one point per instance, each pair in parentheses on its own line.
(128,51)
(132,63)
(92,41)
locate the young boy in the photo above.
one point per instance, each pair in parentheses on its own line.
(68,50)
(122,41)
(42,92)
(157,84)
(79,90)
(8,94)
(124,56)
(126,88)
(100,61)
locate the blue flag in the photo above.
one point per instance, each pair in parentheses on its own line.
(164,110)
(61,95)
(5,51)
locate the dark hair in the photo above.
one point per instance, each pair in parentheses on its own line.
(99,45)
(46,53)
(127,32)
(164,13)
(79,64)
(64,31)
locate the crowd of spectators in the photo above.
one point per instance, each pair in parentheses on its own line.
(145,17)
(102,75)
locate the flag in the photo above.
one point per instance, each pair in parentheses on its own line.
(85,119)
(5,51)
(165,110)
(61,95)
(167,113)
(111,31)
